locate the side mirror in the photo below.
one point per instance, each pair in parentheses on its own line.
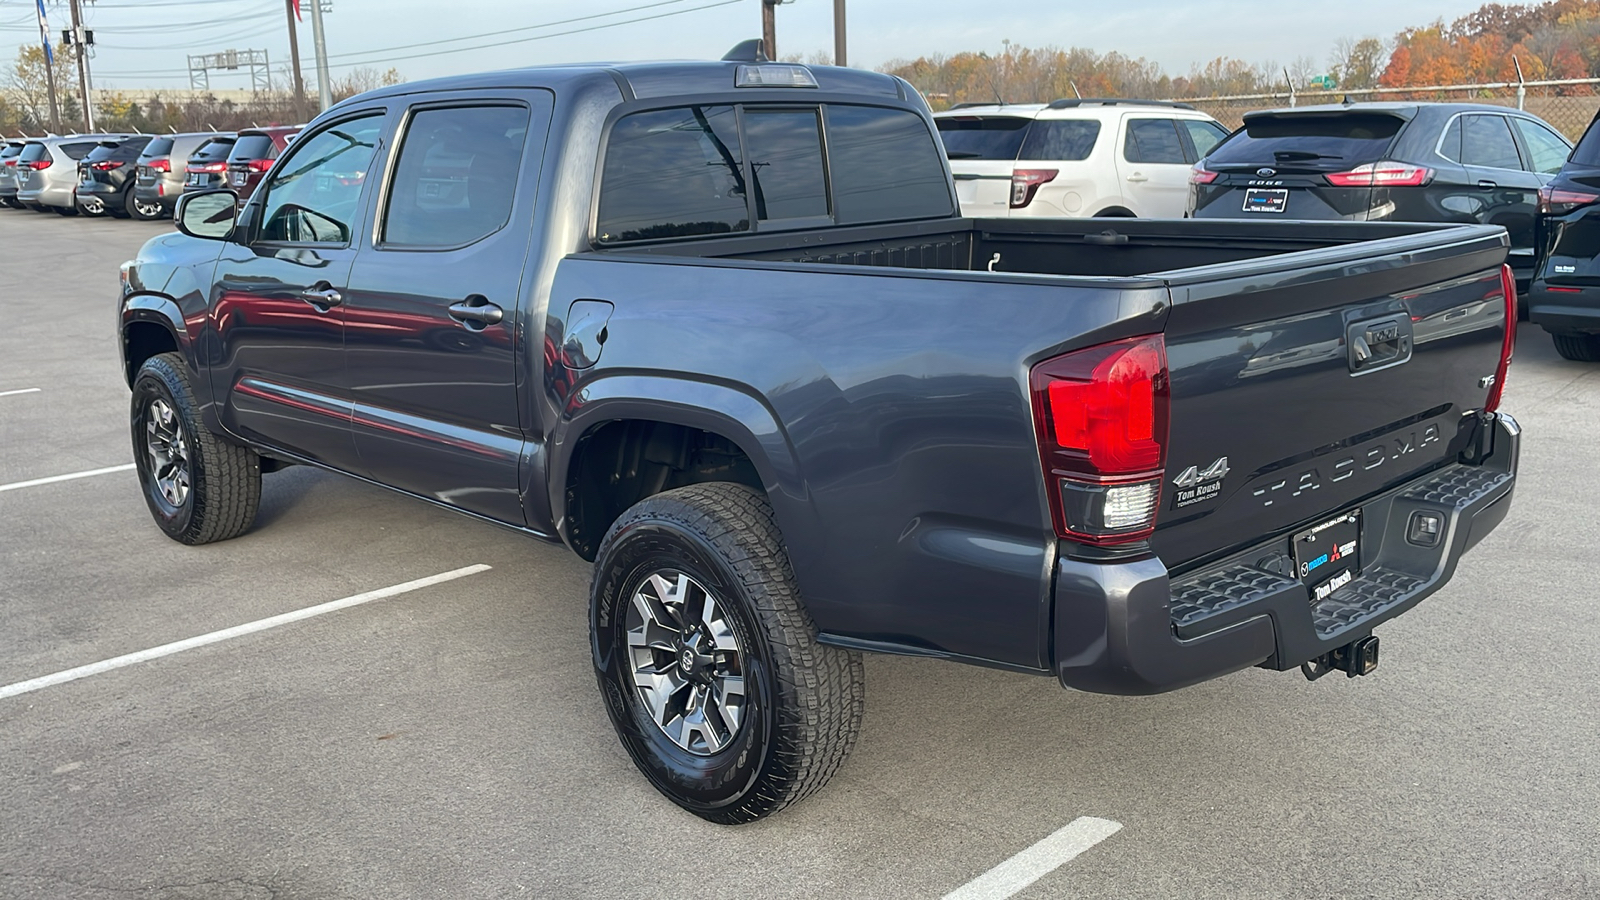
(210,215)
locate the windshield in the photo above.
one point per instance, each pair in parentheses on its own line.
(158,147)
(1311,140)
(34,152)
(982,137)
(101,151)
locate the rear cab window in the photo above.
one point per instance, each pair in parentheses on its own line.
(1328,142)
(685,172)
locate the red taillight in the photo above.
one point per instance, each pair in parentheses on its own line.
(11,162)
(1508,286)
(160,165)
(1025,183)
(1198,175)
(105,165)
(1382,174)
(259,165)
(1557,202)
(212,168)
(1101,418)
(38,164)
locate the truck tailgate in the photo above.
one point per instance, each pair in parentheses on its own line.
(1303,383)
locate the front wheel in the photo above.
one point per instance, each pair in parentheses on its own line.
(709,664)
(199,488)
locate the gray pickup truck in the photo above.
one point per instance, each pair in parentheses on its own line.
(721,329)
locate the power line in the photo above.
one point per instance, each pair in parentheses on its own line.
(473,37)
(522,40)
(538,37)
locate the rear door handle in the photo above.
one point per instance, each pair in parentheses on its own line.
(323,298)
(476,312)
(1137,178)
(1487,185)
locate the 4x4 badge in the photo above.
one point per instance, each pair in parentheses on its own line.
(1194,476)
(1197,485)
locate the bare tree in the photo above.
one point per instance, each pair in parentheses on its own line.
(1357,62)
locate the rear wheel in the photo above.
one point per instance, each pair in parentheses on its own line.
(199,488)
(1578,347)
(707,661)
(144,210)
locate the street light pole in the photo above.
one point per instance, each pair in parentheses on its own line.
(49,69)
(294,58)
(769,27)
(85,83)
(838,33)
(324,90)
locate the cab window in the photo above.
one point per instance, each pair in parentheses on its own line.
(673,173)
(456,175)
(312,198)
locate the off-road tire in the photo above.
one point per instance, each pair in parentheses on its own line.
(224,479)
(805,699)
(1578,347)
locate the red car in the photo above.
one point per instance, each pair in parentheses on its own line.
(252,155)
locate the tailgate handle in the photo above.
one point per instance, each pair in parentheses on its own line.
(1105,238)
(1378,343)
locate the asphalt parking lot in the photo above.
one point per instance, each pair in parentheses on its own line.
(448,741)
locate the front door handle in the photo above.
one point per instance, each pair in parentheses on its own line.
(476,313)
(323,298)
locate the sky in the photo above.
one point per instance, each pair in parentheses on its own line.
(144,43)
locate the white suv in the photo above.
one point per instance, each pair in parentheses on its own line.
(1076,157)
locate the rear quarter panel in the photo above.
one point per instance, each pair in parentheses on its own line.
(886,410)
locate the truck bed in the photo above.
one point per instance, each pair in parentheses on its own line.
(1118,248)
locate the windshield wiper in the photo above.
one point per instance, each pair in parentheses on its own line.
(1282,155)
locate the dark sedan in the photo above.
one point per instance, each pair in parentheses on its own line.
(1409,162)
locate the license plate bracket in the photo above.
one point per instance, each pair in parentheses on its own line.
(1328,556)
(1266,200)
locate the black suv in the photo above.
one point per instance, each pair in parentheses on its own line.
(1402,162)
(1565,296)
(106,178)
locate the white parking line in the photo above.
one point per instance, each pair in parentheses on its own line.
(23,391)
(1037,861)
(18,485)
(34,684)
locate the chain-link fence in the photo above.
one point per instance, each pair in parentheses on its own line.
(1567,105)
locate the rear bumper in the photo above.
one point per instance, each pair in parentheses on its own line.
(165,194)
(1129,628)
(1564,312)
(51,195)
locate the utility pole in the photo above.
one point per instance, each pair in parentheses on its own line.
(838,33)
(769,27)
(49,69)
(294,62)
(324,90)
(81,46)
